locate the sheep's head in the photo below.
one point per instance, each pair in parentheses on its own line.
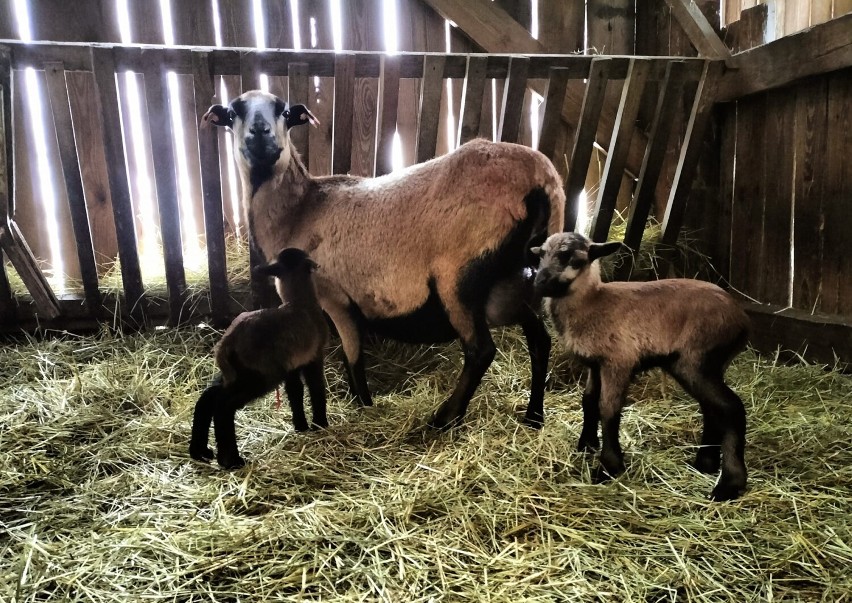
(290,262)
(563,258)
(260,122)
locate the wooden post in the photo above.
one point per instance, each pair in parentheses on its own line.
(388,107)
(552,120)
(7,302)
(297,93)
(513,99)
(430,106)
(471,103)
(584,137)
(344,97)
(61,111)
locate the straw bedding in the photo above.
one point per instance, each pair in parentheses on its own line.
(99,500)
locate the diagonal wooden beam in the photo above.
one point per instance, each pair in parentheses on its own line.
(698,29)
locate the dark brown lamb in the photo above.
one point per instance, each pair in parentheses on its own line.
(689,328)
(258,352)
(434,252)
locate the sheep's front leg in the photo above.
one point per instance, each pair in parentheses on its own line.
(315,380)
(589,441)
(479,351)
(613,389)
(296,399)
(351,340)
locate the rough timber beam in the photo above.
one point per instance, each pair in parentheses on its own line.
(820,49)
(698,29)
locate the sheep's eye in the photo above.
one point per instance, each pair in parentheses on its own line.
(576,263)
(232,115)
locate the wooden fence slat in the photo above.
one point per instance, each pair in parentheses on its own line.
(7,202)
(625,120)
(811,144)
(561,25)
(552,120)
(430,106)
(103,65)
(162,144)
(514,88)
(7,303)
(344,98)
(22,258)
(389,99)
(699,119)
(652,164)
(471,103)
(297,93)
(249,71)
(235,18)
(61,111)
(584,138)
(211,190)
(321,101)
(722,252)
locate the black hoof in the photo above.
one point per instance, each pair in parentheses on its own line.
(201,453)
(534,420)
(300,426)
(723,492)
(442,424)
(588,445)
(600,476)
(708,464)
(317,425)
(231,462)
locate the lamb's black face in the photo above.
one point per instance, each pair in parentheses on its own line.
(290,261)
(564,257)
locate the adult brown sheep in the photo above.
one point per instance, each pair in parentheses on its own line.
(430,253)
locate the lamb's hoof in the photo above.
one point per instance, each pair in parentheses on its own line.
(536,421)
(708,464)
(318,425)
(231,462)
(723,492)
(301,426)
(588,445)
(602,475)
(201,453)
(441,424)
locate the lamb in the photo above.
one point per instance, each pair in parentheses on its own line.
(689,328)
(258,351)
(431,253)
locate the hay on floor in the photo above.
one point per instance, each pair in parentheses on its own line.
(99,500)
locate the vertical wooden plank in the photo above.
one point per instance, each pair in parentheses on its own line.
(690,152)
(61,110)
(584,137)
(551,122)
(820,11)
(279,23)
(249,71)
(747,213)
(561,25)
(321,90)
(610,26)
(808,217)
(8,152)
(146,21)
(235,19)
(211,189)
(162,143)
(430,106)
(80,21)
(471,102)
(7,302)
(8,22)
(722,251)
(513,98)
(344,96)
(841,7)
(778,147)
(732,10)
(837,197)
(622,133)
(192,23)
(297,82)
(389,98)
(88,135)
(796,15)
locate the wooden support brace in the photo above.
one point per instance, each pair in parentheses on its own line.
(211,191)
(19,253)
(513,99)
(61,111)
(557,87)
(162,145)
(625,120)
(584,138)
(699,119)
(474,89)
(655,154)
(430,106)
(388,108)
(103,66)
(698,29)
(344,100)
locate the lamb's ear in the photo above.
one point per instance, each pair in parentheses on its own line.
(298,115)
(599,250)
(313,265)
(266,270)
(218,116)
(536,251)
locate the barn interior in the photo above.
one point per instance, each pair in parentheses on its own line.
(710,136)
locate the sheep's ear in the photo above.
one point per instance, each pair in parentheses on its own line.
(266,270)
(298,115)
(599,250)
(536,251)
(218,116)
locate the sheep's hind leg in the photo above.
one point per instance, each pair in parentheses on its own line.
(589,441)
(315,380)
(295,397)
(234,398)
(538,344)
(201,419)
(479,351)
(613,389)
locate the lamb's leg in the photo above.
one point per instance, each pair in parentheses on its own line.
(614,384)
(479,351)
(538,344)
(295,397)
(351,339)
(315,380)
(201,419)
(234,398)
(589,441)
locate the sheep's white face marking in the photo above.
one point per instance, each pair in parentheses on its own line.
(259,126)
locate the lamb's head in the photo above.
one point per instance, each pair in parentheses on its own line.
(290,262)
(566,257)
(260,122)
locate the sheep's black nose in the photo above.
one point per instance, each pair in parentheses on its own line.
(259,129)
